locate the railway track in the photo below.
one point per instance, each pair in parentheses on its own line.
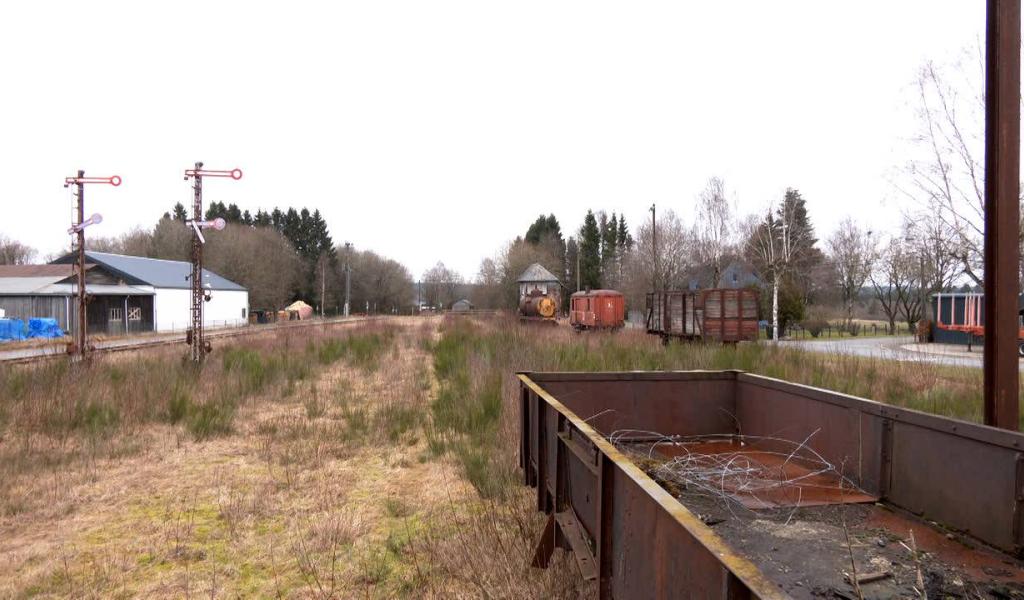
(37,354)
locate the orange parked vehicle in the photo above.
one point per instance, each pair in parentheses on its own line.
(597,309)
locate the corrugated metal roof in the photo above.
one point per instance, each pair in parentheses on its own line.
(536,272)
(26,285)
(155,272)
(38,270)
(66,289)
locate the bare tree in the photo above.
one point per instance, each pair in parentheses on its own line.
(487,291)
(260,259)
(930,240)
(893,281)
(776,243)
(673,257)
(13,252)
(440,285)
(852,251)
(714,230)
(948,176)
(379,284)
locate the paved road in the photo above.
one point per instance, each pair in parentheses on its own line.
(894,348)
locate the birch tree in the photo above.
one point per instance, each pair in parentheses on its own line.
(776,243)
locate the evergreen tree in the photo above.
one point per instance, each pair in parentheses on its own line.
(232,214)
(216,210)
(178,213)
(277,219)
(262,219)
(247,218)
(590,252)
(609,238)
(572,251)
(624,238)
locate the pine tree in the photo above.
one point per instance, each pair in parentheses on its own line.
(590,252)
(247,218)
(178,213)
(233,214)
(624,238)
(262,219)
(277,219)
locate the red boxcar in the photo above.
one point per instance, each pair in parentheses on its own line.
(721,315)
(597,309)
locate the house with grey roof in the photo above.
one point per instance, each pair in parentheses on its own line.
(130,294)
(536,280)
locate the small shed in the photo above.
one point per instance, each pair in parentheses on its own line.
(462,306)
(537,279)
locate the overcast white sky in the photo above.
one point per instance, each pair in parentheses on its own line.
(438,130)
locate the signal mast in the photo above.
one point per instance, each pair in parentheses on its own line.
(195,336)
(79,348)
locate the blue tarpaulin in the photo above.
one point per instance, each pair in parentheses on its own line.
(12,329)
(44,328)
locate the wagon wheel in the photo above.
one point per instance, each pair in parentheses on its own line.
(1020,348)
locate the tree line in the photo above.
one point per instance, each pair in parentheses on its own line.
(279,255)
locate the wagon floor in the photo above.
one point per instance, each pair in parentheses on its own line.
(807,550)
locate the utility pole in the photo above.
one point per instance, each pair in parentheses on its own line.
(577,268)
(1002,212)
(195,336)
(348,276)
(80,347)
(654,245)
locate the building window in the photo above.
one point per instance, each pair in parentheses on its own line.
(134,313)
(116,314)
(243,312)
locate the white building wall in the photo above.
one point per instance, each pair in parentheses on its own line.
(226,308)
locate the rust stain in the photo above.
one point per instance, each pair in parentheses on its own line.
(980,564)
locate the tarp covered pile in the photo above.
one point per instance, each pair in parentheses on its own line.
(44,328)
(12,329)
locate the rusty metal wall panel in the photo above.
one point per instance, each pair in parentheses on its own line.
(684,407)
(831,430)
(652,554)
(962,483)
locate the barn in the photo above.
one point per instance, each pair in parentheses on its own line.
(130,294)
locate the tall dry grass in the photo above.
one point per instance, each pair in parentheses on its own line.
(57,413)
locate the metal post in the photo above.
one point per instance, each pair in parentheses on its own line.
(81,346)
(198,346)
(1002,212)
(654,245)
(348,275)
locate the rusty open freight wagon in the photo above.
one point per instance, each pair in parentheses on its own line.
(959,485)
(720,315)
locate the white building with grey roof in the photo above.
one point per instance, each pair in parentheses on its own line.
(130,294)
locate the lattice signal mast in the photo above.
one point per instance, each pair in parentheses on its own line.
(196,337)
(80,347)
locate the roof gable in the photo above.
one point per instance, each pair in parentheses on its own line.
(536,273)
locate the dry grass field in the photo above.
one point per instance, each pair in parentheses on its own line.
(377,461)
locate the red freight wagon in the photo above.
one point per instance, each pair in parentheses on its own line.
(597,309)
(722,315)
